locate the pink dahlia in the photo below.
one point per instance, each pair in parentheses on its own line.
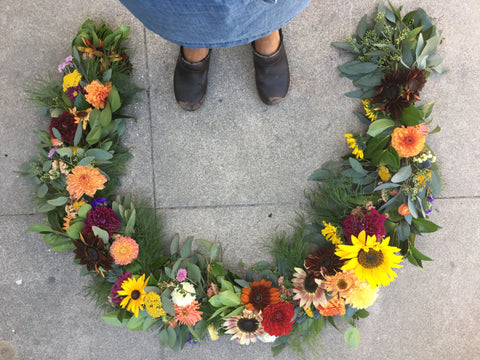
(104,218)
(360,219)
(124,250)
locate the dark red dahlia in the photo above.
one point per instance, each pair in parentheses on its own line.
(369,220)
(65,124)
(104,218)
(278,318)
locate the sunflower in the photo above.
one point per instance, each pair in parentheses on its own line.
(260,295)
(90,250)
(85,180)
(370,111)
(354,144)
(323,262)
(408,141)
(371,260)
(134,293)
(307,289)
(414,83)
(245,327)
(330,233)
(390,94)
(83,115)
(342,283)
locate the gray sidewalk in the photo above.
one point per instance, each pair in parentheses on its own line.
(235,171)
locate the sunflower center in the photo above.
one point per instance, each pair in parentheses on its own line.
(258,298)
(248,325)
(309,284)
(93,254)
(326,262)
(135,294)
(391,93)
(371,259)
(279,316)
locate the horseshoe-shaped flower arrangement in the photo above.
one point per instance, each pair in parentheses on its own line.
(359,222)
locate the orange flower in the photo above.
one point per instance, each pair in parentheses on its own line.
(124,250)
(97,93)
(55,141)
(260,295)
(85,180)
(334,306)
(404,210)
(408,141)
(189,314)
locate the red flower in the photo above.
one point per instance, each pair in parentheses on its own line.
(104,218)
(65,124)
(369,220)
(278,318)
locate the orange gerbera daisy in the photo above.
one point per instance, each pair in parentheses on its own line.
(260,295)
(84,180)
(189,314)
(97,93)
(408,141)
(342,283)
(124,250)
(334,306)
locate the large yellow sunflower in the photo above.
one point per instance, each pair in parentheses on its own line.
(371,260)
(134,292)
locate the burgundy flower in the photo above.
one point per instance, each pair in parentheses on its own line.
(118,286)
(104,218)
(65,124)
(277,318)
(72,92)
(369,220)
(323,262)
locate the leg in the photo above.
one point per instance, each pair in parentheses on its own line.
(194,55)
(268,44)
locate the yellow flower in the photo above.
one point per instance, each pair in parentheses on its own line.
(362,295)
(212,332)
(384,173)
(371,260)
(78,204)
(83,115)
(308,311)
(330,233)
(352,143)
(422,178)
(71,80)
(153,305)
(369,111)
(134,292)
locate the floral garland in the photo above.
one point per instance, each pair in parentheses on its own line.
(360,221)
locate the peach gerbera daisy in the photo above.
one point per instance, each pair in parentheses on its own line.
(408,141)
(189,314)
(334,306)
(342,283)
(124,250)
(97,93)
(85,180)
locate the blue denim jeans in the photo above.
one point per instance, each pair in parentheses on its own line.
(214,23)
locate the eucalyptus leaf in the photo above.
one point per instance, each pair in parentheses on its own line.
(403,174)
(186,250)
(102,234)
(86,160)
(99,154)
(174,244)
(379,126)
(64,152)
(352,337)
(59,201)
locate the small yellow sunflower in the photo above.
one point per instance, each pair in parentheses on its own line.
(371,260)
(134,292)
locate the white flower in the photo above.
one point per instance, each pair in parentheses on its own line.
(183,294)
(266,338)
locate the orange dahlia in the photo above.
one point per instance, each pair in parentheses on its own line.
(85,180)
(124,250)
(260,295)
(404,210)
(97,93)
(189,314)
(334,306)
(408,141)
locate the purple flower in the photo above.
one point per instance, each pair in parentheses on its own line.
(98,202)
(181,274)
(369,220)
(72,92)
(63,65)
(104,218)
(430,199)
(52,151)
(117,287)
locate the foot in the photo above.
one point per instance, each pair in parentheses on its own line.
(190,79)
(272,75)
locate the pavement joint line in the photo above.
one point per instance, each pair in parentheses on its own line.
(192,207)
(152,160)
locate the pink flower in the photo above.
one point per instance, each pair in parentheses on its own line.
(423,129)
(181,274)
